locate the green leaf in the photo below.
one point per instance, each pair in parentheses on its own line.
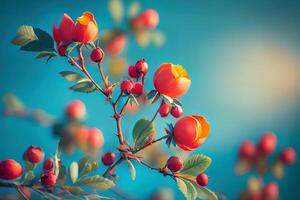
(12,103)
(44,42)
(97,182)
(131,169)
(73,170)
(204,193)
(187,188)
(195,165)
(167,99)
(62,175)
(24,35)
(71,76)
(133,100)
(143,131)
(86,165)
(177,102)
(84,86)
(43,54)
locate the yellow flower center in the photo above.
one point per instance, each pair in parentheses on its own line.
(179,72)
(86,18)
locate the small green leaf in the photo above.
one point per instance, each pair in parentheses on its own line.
(96,181)
(131,169)
(62,175)
(43,54)
(133,100)
(24,35)
(73,170)
(84,86)
(187,188)
(71,76)
(204,193)
(167,99)
(143,131)
(177,102)
(195,165)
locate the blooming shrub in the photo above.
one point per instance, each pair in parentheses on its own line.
(171,81)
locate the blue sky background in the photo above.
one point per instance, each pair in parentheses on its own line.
(242,56)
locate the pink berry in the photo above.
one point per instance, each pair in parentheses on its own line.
(270,191)
(267,144)
(142,67)
(34,154)
(176,111)
(164,109)
(75,110)
(126,86)
(247,150)
(137,89)
(174,164)
(150,18)
(132,72)
(108,158)
(202,180)
(95,139)
(288,156)
(97,55)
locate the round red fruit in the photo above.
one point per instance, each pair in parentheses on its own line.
(132,72)
(267,144)
(10,169)
(97,55)
(108,158)
(247,150)
(270,191)
(95,139)
(164,109)
(34,154)
(49,179)
(174,164)
(202,180)
(75,110)
(177,111)
(137,89)
(126,86)
(288,156)
(141,67)
(48,164)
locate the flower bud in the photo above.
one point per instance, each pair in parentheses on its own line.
(141,67)
(247,150)
(10,169)
(108,158)
(75,110)
(202,180)
(132,72)
(126,86)
(174,164)
(34,154)
(164,109)
(288,156)
(177,111)
(137,89)
(97,55)
(267,144)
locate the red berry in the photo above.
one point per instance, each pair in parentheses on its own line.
(137,89)
(202,180)
(176,111)
(108,158)
(97,55)
(141,67)
(288,156)
(267,144)
(62,50)
(75,110)
(10,169)
(34,154)
(174,164)
(270,191)
(164,109)
(115,46)
(132,72)
(95,139)
(126,86)
(49,179)
(48,164)
(150,18)
(247,150)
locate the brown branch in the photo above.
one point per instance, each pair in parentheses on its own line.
(113,167)
(105,81)
(150,143)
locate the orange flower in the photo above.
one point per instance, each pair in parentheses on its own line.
(190,132)
(171,80)
(64,33)
(86,29)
